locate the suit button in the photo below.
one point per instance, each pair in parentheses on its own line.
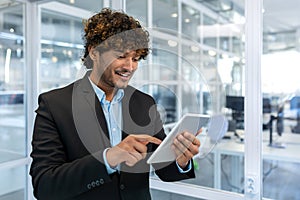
(93,184)
(122,186)
(97,182)
(89,186)
(101,181)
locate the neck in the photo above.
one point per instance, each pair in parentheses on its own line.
(109,91)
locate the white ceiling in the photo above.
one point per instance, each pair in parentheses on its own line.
(281,18)
(281,15)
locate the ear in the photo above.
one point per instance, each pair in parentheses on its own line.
(93,53)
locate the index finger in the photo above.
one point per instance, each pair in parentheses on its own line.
(145,139)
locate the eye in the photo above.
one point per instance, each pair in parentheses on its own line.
(121,56)
(136,59)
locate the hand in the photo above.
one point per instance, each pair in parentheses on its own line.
(185,146)
(130,150)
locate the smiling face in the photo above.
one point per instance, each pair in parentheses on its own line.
(112,69)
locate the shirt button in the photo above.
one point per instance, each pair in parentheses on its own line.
(122,186)
(114,129)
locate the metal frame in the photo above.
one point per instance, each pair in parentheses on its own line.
(253,100)
(32,57)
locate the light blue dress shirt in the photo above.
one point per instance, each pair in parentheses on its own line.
(112,110)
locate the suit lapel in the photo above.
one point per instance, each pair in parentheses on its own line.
(89,117)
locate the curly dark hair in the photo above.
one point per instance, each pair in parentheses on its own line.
(114,30)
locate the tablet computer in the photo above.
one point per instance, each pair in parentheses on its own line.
(189,122)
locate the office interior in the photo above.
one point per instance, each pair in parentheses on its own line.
(207,57)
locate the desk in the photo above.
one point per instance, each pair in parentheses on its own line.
(234,148)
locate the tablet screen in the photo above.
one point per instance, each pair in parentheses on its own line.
(213,129)
(189,122)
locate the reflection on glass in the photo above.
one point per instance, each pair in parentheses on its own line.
(12,184)
(190,22)
(225,43)
(140,13)
(280,84)
(86,4)
(60,53)
(12,115)
(166,97)
(165,60)
(209,31)
(165,14)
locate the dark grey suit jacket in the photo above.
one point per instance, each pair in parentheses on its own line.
(70,134)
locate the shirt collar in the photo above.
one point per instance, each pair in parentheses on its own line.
(102,97)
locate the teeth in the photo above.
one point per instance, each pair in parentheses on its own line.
(123,74)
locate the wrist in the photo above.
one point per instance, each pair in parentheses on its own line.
(111,159)
(182,164)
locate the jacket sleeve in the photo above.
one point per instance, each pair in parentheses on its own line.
(54,176)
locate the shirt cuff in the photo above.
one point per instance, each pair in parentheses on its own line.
(186,169)
(108,168)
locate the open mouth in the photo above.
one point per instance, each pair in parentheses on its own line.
(124,74)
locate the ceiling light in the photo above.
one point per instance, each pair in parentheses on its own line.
(172,43)
(236,59)
(7,65)
(54,59)
(187,20)
(174,15)
(225,7)
(212,53)
(225,56)
(195,49)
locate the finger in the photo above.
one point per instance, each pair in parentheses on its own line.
(133,156)
(182,157)
(145,139)
(131,145)
(179,145)
(140,148)
(186,139)
(136,155)
(199,131)
(131,159)
(190,137)
(193,147)
(177,151)
(196,142)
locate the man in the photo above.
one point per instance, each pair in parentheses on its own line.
(92,138)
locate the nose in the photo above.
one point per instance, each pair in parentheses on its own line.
(129,64)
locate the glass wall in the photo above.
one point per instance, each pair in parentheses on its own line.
(196,61)
(197,64)
(13,182)
(12,83)
(13,137)
(60,53)
(280,87)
